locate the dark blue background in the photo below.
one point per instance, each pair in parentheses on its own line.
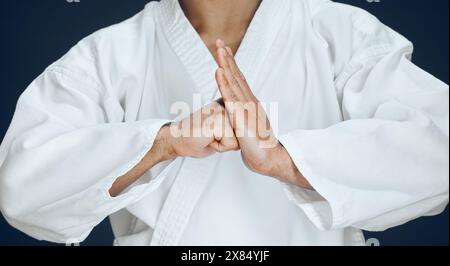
(34,33)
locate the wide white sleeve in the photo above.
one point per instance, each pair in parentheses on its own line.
(61,155)
(388,161)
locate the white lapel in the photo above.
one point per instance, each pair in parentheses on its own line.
(196,57)
(188,46)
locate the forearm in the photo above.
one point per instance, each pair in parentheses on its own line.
(160,152)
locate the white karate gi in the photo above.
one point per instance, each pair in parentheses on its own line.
(365,126)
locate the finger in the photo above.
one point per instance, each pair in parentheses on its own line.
(237,73)
(225,145)
(230,124)
(218,147)
(235,70)
(224,88)
(229,144)
(215,146)
(229,140)
(221,54)
(220,44)
(237,117)
(225,135)
(228,74)
(230,92)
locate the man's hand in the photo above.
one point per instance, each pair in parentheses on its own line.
(261,151)
(202,134)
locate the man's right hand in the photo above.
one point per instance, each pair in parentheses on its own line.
(202,134)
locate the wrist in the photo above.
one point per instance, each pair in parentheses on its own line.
(281,167)
(164,144)
(285,169)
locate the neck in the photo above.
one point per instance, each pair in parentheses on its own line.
(224,19)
